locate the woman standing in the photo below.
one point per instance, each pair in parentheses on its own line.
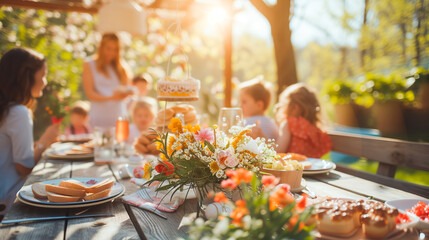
(104,82)
(22,79)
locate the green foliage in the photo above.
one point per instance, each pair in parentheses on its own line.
(376,87)
(64,39)
(339,91)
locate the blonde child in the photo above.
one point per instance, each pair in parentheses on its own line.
(78,119)
(254,101)
(143,111)
(298,116)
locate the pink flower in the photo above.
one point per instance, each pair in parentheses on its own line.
(231,161)
(205,134)
(226,158)
(269,180)
(229,183)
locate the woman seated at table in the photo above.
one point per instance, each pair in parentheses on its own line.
(22,79)
(105,81)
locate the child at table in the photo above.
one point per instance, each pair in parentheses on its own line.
(78,119)
(143,111)
(298,116)
(255,99)
(22,79)
(142,82)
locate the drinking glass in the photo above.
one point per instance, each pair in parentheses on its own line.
(229,117)
(122,133)
(122,129)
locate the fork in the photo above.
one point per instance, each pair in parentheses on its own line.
(145,195)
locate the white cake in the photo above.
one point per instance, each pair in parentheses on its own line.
(171,89)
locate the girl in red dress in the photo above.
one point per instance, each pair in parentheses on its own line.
(298,116)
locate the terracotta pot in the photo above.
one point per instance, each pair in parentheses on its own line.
(423,95)
(345,115)
(293,178)
(389,118)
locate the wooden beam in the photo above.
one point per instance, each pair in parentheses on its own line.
(228,54)
(384,150)
(48,6)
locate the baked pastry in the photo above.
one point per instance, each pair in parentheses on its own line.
(171,89)
(340,217)
(186,112)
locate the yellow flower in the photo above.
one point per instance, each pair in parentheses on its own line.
(159,145)
(163,157)
(215,126)
(147,171)
(196,129)
(175,125)
(171,141)
(214,167)
(239,137)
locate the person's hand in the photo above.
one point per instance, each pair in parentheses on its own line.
(144,144)
(256,131)
(50,135)
(120,94)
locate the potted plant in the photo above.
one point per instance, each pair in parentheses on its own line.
(341,93)
(418,80)
(387,93)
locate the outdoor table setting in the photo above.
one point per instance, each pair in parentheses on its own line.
(136,209)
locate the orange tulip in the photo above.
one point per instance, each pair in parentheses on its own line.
(220,197)
(280,198)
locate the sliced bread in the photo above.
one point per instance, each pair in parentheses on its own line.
(101,186)
(39,191)
(65,191)
(58,198)
(71,183)
(98,195)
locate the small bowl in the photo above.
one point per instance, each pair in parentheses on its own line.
(293,178)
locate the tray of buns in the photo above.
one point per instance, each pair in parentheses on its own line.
(342,218)
(70,192)
(70,151)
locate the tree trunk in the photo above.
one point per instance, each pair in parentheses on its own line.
(403,43)
(365,19)
(419,16)
(278,17)
(285,56)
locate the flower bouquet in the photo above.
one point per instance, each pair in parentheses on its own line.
(198,158)
(265,212)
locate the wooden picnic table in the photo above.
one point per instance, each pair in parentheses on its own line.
(133,223)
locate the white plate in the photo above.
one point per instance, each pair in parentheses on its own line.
(26,196)
(58,151)
(404,204)
(319,166)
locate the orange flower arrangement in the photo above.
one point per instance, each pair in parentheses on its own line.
(266,211)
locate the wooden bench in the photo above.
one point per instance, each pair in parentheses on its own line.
(390,153)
